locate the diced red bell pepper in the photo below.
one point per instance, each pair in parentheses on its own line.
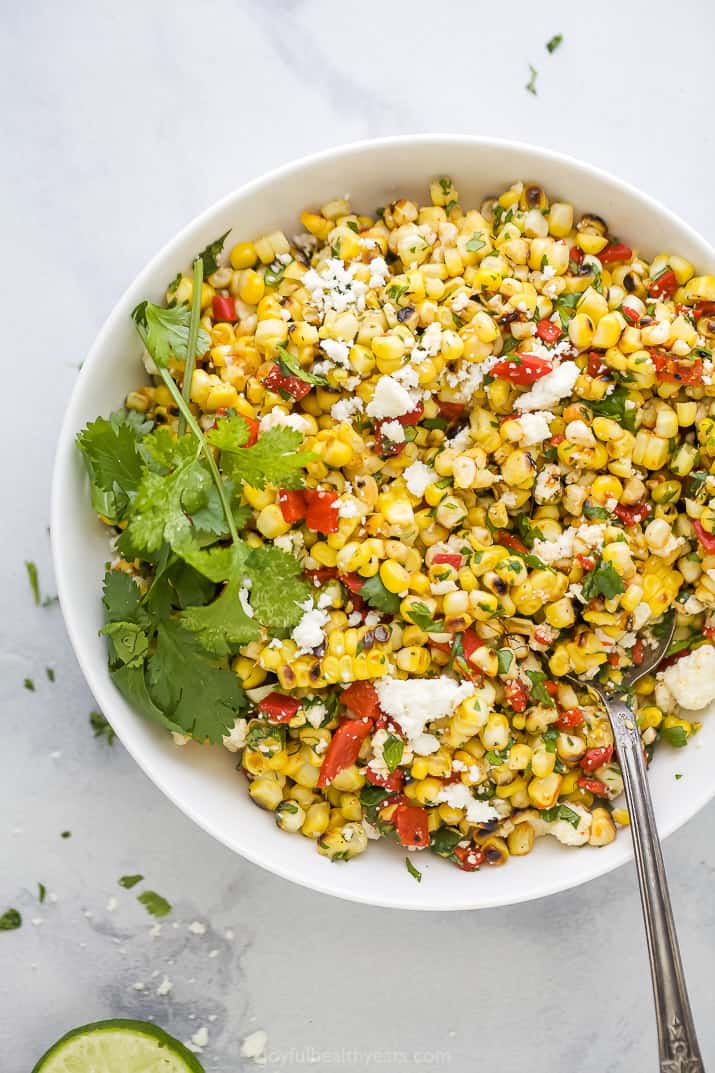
(596,366)
(632,513)
(292,385)
(569,719)
(470,643)
(522,369)
(672,370)
(322,508)
(278,707)
(706,539)
(557,439)
(469,857)
(361,698)
(551,687)
(343,749)
(548,331)
(586,562)
(516,694)
(613,659)
(709,632)
(451,410)
(664,286)
(631,315)
(393,782)
(594,786)
(322,575)
(253,430)
(637,653)
(413,417)
(508,540)
(224,307)
(616,252)
(445,557)
(386,447)
(576,255)
(353,582)
(293,505)
(594,758)
(411,824)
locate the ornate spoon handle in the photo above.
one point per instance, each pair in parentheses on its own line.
(677,1041)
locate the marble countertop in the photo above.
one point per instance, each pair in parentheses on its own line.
(120,123)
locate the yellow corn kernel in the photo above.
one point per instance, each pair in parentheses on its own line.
(243,255)
(267,790)
(521,840)
(394,576)
(544,792)
(603,829)
(251,287)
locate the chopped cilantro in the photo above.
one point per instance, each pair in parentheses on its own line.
(531,84)
(614,405)
(33,579)
(675,736)
(412,870)
(392,752)
(561,812)
(154,903)
(553,43)
(422,617)
(29,683)
(273,459)
(274,273)
(539,692)
(41,892)
(444,840)
(505,659)
(678,774)
(165,332)
(65,834)
(527,531)
(101,727)
(590,511)
(602,581)
(10,920)
(49,671)
(475,243)
(377,596)
(129,881)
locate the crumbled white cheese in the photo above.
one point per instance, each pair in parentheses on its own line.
(407,376)
(534,428)
(348,508)
(550,389)
(165,986)
(439,588)
(462,441)
(201,1037)
(197,928)
(391,399)
(460,302)
(548,484)
(308,634)
(334,287)
(279,418)
(425,745)
(379,271)
(548,271)
(691,680)
(566,544)
(562,830)
(414,702)
(236,737)
(418,477)
(372,619)
(459,796)
(346,409)
(354,618)
(336,350)
(392,431)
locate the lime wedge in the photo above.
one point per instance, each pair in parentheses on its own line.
(118,1047)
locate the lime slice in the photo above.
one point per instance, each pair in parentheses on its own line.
(118,1047)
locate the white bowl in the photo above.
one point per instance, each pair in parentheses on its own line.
(202,781)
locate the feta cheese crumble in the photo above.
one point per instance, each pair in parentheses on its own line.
(459,796)
(308,634)
(418,478)
(391,399)
(691,680)
(414,702)
(550,389)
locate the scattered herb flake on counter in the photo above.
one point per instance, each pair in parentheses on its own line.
(10,920)
(65,834)
(50,672)
(412,870)
(531,84)
(553,43)
(33,579)
(41,892)
(678,774)
(29,683)
(154,903)
(129,881)
(102,727)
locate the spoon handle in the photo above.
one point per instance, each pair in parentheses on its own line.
(677,1041)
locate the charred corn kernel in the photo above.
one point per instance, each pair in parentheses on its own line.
(700,289)
(256,497)
(495,734)
(251,287)
(413,660)
(560,219)
(317,818)
(543,792)
(267,790)
(519,757)
(290,816)
(542,763)
(521,840)
(603,829)
(649,450)
(581,331)
(250,673)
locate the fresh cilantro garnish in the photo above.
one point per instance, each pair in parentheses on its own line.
(101,727)
(32,577)
(497,757)
(211,254)
(444,841)
(614,405)
(154,903)
(553,43)
(527,531)
(111,450)
(392,751)
(29,683)
(680,646)
(435,423)
(505,659)
(165,332)
(414,872)
(538,691)
(678,774)
(290,366)
(590,511)
(675,736)
(531,84)
(10,920)
(561,812)
(377,596)
(223,625)
(129,881)
(277,587)
(396,290)
(266,737)
(602,581)
(50,672)
(475,243)
(422,617)
(550,736)
(41,892)
(273,459)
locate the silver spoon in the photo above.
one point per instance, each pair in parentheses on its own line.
(677,1042)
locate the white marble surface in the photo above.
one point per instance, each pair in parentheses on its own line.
(120,122)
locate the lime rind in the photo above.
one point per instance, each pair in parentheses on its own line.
(118,1046)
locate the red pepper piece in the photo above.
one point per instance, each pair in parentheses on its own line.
(292,385)
(557,439)
(522,369)
(451,410)
(706,539)
(672,370)
(321,513)
(596,366)
(293,505)
(631,315)
(411,824)
(508,540)
(594,758)
(613,659)
(576,255)
(594,786)
(470,643)
(386,447)
(353,582)
(444,557)
(343,749)
(224,308)
(664,286)
(586,562)
(551,687)
(569,719)
(617,252)
(361,698)
(516,694)
(548,331)
(637,653)
(632,514)
(253,429)
(278,707)
(393,782)
(322,575)
(469,857)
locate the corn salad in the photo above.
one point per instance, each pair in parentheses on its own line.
(510,420)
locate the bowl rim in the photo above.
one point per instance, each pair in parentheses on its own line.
(100,687)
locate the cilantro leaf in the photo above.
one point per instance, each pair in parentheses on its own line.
(214,563)
(41,892)
(163,506)
(590,511)
(114,463)
(378,597)
(422,617)
(29,683)
(131,682)
(154,903)
(102,727)
(277,587)
(32,577)
(538,690)
(561,812)
(475,243)
(444,840)
(602,581)
(527,531)
(189,689)
(414,872)
(165,332)
(129,643)
(392,751)
(290,366)
(273,459)
(675,736)
(553,43)
(223,625)
(505,659)
(614,405)
(10,920)
(122,599)
(531,84)
(129,881)
(211,254)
